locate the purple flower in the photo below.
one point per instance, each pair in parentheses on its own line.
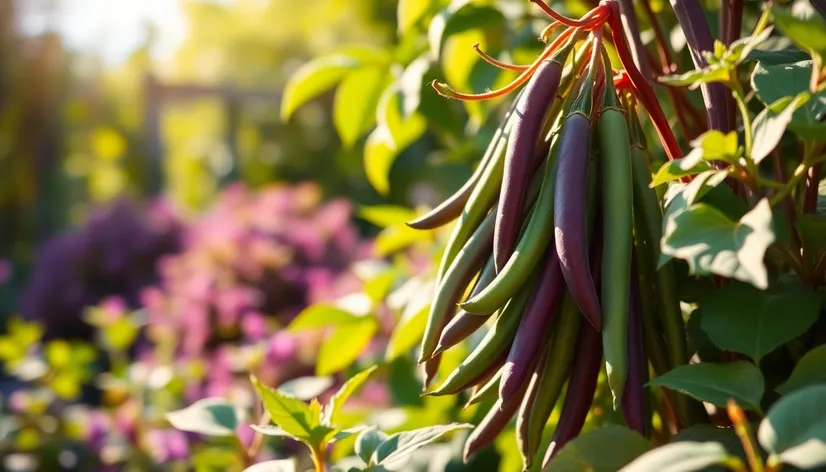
(167,445)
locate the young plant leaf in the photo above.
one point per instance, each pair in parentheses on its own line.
(289,413)
(350,387)
(713,244)
(210,417)
(716,383)
(345,433)
(715,145)
(270,430)
(794,430)
(740,318)
(684,456)
(676,169)
(306,388)
(282,465)
(808,371)
(367,443)
(395,451)
(386,215)
(771,123)
(606,449)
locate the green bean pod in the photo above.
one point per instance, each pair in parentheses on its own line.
(451,288)
(495,343)
(528,253)
(617,239)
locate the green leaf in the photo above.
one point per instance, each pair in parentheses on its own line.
(702,184)
(214,459)
(802,25)
(459,16)
(356,101)
(740,318)
(409,12)
(314,78)
(367,443)
(407,334)
(812,231)
(350,387)
(770,125)
(281,465)
(411,83)
(695,78)
(715,145)
(345,433)
(685,456)
(716,383)
(780,56)
(773,83)
(210,417)
(606,449)
(386,215)
(708,433)
(395,451)
(794,430)
(290,414)
(306,388)
(343,347)
(713,244)
(394,134)
(323,316)
(676,169)
(808,371)
(397,237)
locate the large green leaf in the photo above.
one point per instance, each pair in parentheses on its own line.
(395,451)
(771,123)
(794,430)
(676,169)
(773,83)
(802,25)
(407,334)
(740,318)
(606,449)
(409,12)
(812,231)
(350,387)
(684,456)
(343,347)
(713,244)
(354,109)
(459,16)
(209,416)
(315,78)
(289,413)
(716,383)
(808,371)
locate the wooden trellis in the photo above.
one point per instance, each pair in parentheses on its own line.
(157,94)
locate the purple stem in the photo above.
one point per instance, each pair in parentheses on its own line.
(698,36)
(632,34)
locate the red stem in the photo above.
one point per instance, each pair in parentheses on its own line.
(589,19)
(646,93)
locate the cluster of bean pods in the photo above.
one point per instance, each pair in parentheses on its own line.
(555,249)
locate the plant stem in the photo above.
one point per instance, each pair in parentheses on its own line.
(740,98)
(318,459)
(741,428)
(258,439)
(799,173)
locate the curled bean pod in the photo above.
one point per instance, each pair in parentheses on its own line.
(527,128)
(581,389)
